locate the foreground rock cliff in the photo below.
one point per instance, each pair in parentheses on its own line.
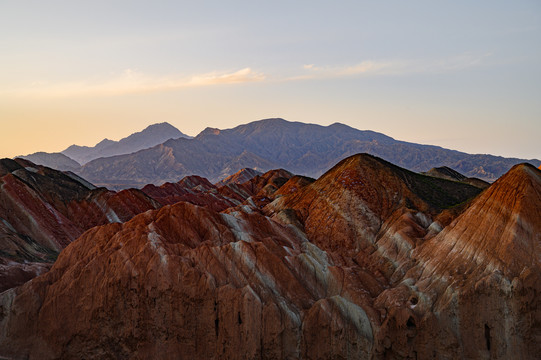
(370,261)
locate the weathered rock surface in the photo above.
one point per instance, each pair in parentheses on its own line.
(370,261)
(256,191)
(186,281)
(475,289)
(193,189)
(43,210)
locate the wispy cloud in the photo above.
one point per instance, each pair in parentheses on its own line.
(131,81)
(312,71)
(391,67)
(241,76)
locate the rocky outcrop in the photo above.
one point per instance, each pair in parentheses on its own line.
(192,189)
(370,261)
(43,210)
(348,208)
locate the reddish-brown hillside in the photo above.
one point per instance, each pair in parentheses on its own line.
(500,231)
(193,189)
(186,280)
(348,209)
(43,210)
(368,261)
(477,285)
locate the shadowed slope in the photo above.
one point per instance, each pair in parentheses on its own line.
(445,172)
(450,174)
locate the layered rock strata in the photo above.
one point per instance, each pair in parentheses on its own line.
(370,261)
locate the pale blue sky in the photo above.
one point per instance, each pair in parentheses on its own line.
(460,74)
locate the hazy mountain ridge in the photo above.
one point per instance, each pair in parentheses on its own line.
(56,161)
(301,148)
(151,136)
(307,149)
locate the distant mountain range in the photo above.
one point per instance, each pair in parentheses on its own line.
(74,156)
(306,149)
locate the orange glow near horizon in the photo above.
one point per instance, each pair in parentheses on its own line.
(464,76)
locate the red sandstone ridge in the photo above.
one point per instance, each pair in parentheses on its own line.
(475,289)
(365,262)
(193,189)
(351,207)
(262,187)
(256,191)
(186,280)
(43,210)
(499,231)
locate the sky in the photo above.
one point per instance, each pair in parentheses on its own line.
(464,75)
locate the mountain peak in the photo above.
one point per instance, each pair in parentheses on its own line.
(209,131)
(499,230)
(105,142)
(271,121)
(520,179)
(161,126)
(152,135)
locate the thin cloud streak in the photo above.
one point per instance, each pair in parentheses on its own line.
(395,67)
(241,76)
(130,81)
